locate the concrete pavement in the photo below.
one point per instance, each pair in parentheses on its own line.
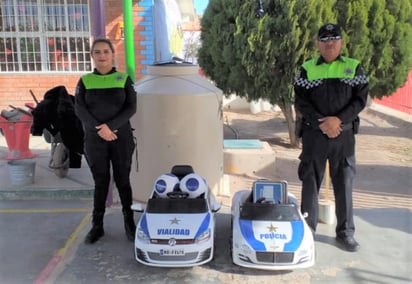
(77,185)
(35,235)
(44,224)
(47,247)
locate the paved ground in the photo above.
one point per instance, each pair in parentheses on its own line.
(41,241)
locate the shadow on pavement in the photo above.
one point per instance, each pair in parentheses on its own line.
(392,218)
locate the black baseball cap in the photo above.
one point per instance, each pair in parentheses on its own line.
(329,30)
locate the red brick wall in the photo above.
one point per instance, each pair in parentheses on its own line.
(14,88)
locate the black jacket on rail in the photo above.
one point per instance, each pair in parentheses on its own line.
(55,113)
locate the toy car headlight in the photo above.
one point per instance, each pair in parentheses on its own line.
(302,253)
(245,249)
(203,236)
(141,235)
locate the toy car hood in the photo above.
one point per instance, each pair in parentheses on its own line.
(272,236)
(178,226)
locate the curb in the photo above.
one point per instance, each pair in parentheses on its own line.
(47,194)
(386,112)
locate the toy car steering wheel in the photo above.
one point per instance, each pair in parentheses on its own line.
(177,195)
(263,200)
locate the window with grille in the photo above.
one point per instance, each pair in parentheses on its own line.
(44,36)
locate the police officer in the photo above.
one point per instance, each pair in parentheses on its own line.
(105,101)
(330,92)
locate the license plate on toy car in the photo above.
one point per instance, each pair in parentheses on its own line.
(172,252)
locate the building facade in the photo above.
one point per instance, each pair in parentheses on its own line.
(46,43)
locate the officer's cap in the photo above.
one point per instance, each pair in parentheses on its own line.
(329,30)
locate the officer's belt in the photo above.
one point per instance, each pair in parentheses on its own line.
(347,126)
(344,126)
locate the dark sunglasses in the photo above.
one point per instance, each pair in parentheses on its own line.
(327,38)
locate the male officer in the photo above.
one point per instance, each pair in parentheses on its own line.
(330,91)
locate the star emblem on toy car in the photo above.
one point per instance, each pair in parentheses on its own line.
(174,221)
(272,228)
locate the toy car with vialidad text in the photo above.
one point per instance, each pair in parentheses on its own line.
(268,230)
(177,225)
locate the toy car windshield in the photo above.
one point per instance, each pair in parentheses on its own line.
(166,205)
(269,212)
(270,191)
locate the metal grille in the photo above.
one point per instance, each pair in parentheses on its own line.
(275,257)
(205,254)
(192,256)
(178,241)
(44,36)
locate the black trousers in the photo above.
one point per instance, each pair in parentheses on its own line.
(340,151)
(100,156)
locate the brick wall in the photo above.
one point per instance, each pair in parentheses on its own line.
(145,38)
(14,88)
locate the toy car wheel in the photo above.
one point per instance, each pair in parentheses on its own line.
(61,161)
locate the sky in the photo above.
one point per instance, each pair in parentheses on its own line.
(200,6)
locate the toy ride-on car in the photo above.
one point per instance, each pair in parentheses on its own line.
(177,227)
(268,230)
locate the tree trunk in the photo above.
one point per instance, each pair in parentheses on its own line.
(288,112)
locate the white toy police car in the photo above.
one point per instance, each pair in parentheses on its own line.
(177,227)
(268,229)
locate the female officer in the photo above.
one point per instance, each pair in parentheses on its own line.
(105,101)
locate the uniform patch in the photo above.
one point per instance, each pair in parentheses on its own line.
(348,71)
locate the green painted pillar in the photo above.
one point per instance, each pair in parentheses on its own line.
(128,38)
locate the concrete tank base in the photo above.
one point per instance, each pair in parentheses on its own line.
(255,157)
(327,212)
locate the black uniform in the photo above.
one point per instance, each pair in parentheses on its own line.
(336,89)
(109,99)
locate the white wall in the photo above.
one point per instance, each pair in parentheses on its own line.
(235,102)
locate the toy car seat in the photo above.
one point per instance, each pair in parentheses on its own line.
(182,170)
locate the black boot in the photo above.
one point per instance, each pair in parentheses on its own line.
(97,230)
(129,225)
(125,193)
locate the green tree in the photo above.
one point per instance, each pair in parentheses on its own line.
(273,45)
(378,32)
(217,54)
(257,56)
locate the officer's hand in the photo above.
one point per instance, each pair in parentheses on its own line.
(330,126)
(105,132)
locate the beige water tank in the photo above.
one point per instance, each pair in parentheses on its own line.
(179,120)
